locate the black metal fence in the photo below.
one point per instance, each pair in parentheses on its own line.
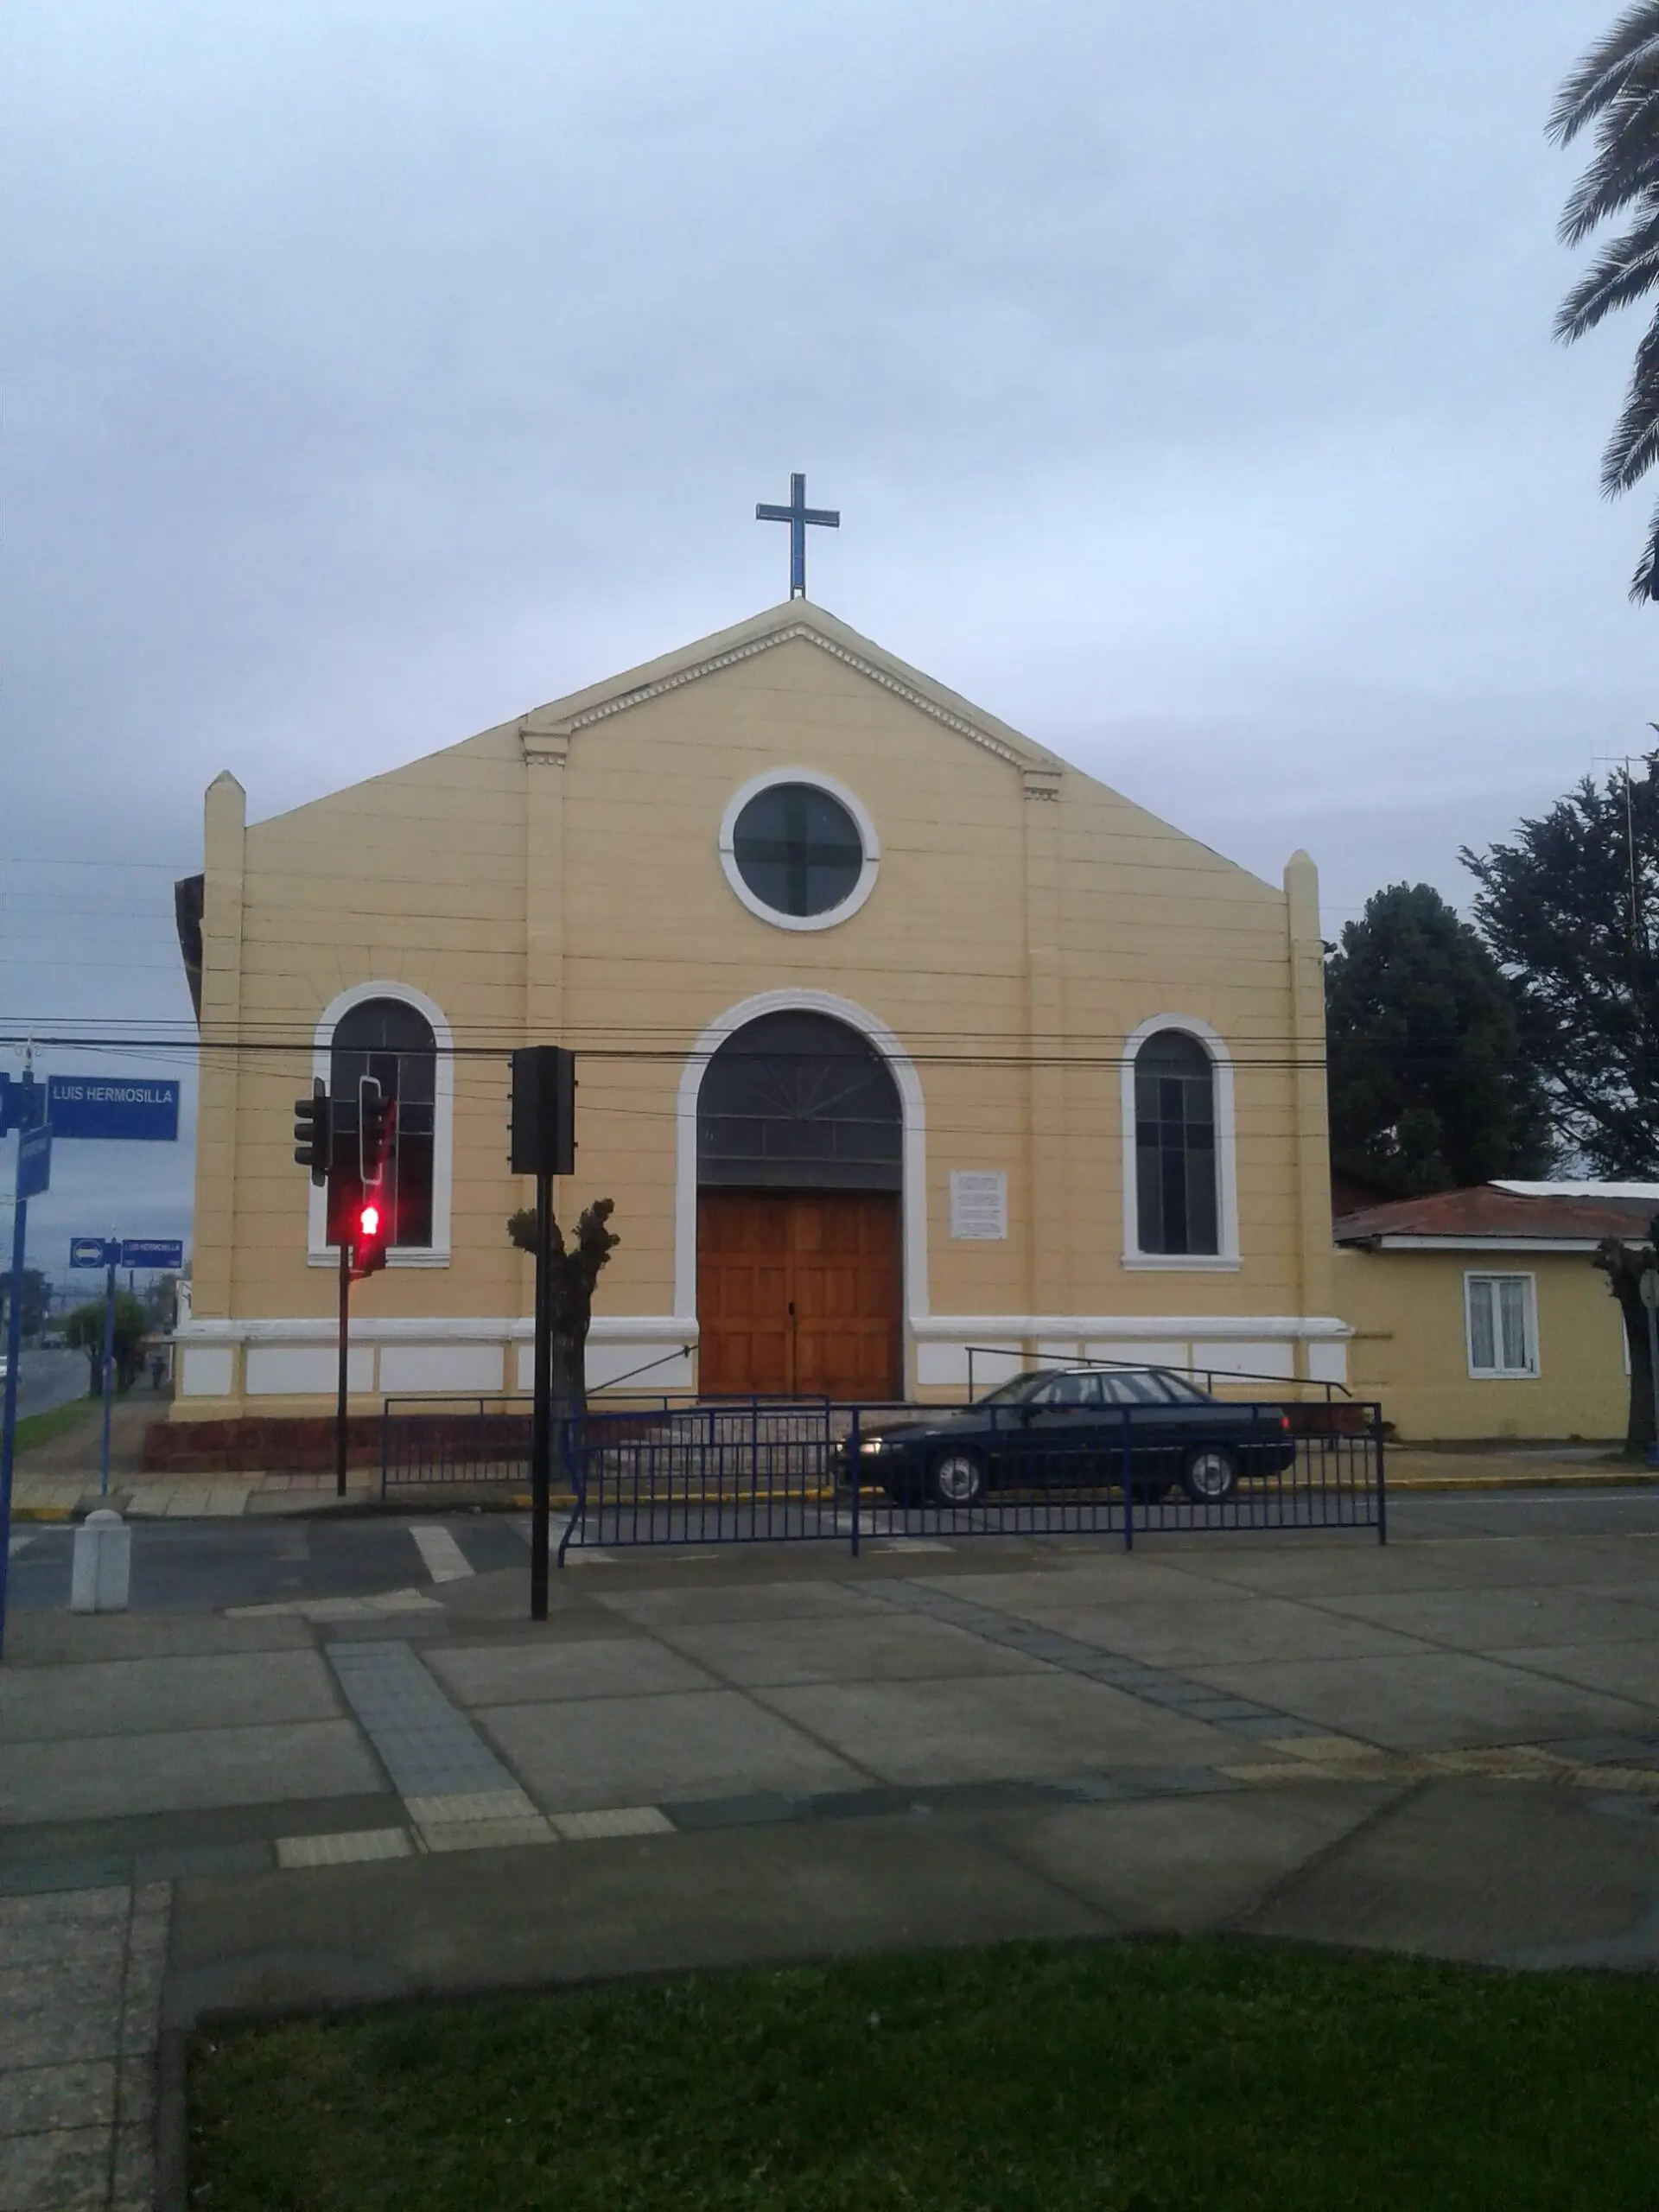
(768,1471)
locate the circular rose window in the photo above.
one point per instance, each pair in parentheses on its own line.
(800,852)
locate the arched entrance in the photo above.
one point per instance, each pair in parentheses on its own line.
(800,1154)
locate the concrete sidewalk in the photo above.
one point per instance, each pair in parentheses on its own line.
(1450,1747)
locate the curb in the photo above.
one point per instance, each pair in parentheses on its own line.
(1400,1483)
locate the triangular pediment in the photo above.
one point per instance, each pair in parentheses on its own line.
(550,729)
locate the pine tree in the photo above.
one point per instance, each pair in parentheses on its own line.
(1429,1084)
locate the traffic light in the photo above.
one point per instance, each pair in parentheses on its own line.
(377,1116)
(542,1139)
(314,1132)
(371,1234)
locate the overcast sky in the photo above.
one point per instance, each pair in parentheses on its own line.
(1182,373)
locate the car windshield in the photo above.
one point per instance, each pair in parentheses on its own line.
(1017,1392)
(1142,1386)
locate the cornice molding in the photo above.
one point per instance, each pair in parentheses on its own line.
(544,748)
(808,634)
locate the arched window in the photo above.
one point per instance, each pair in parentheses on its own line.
(392,1041)
(798,1100)
(1176,1196)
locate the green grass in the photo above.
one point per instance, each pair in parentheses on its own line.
(1122,2078)
(41,1428)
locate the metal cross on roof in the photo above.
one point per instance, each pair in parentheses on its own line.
(797,515)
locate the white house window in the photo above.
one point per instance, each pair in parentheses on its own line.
(799,849)
(1502,1325)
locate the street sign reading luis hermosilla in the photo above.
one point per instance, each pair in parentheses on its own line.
(133,1108)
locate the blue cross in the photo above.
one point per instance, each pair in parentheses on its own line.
(797,515)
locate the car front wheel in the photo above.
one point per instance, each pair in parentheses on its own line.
(959,1478)
(1210,1474)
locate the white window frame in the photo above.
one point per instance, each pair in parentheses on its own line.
(1228,1260)
(867,837)
(319,1253)
(1500,1373)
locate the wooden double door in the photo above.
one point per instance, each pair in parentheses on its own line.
(800,1291)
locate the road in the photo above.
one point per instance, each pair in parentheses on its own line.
(46,1379)
(200,1567)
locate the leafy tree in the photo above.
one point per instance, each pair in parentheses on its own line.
(1615,88)
(1429,1085)
(1566,904)
(37,1294)
(83,1329)
(571,1293)
(160,1301)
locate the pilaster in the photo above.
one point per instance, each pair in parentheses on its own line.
(224,852)
(546,751)
(1048,1238)
(1304,953)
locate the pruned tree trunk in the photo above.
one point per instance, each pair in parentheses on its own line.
(1624,1265)
(570,1297)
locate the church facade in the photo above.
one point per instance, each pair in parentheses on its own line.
(906,1050)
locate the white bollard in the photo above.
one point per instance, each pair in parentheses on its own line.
(102,1565)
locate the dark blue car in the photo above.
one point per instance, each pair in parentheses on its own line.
(1089,1426)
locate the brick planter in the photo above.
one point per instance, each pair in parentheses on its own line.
(258,1445)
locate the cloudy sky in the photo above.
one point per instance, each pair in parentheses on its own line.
(1182,373)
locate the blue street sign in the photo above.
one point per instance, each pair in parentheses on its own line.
(33,1162)
(152,1252)
(94,1252)
(127,1107)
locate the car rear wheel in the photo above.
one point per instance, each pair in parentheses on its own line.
(1210,1474)
(957,1478)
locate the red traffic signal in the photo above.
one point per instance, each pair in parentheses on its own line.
(371,1234)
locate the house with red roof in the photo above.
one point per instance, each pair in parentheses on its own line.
(1477,1313)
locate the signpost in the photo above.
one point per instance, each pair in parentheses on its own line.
(110,1253)
(141,1109)
(20,1108)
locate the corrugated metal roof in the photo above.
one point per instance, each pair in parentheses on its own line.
(1495,1211)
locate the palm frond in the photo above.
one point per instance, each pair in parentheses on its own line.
(1631,46)
(1644,584)
(1625,169)
(1624,269)
(1634,445)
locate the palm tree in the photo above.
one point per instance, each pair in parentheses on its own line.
(1616,87)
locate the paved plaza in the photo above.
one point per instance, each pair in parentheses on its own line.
(363,1773)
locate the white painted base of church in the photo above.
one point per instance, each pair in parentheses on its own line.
(232,1360)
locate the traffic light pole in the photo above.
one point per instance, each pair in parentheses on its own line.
(345,1341)
(541,1443)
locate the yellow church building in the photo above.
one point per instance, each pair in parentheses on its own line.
(896,1036)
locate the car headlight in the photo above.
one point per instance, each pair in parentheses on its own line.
(871,1444)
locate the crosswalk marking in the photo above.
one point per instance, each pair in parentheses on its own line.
(444,1560)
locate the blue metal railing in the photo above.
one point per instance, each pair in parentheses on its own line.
(765,1471)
